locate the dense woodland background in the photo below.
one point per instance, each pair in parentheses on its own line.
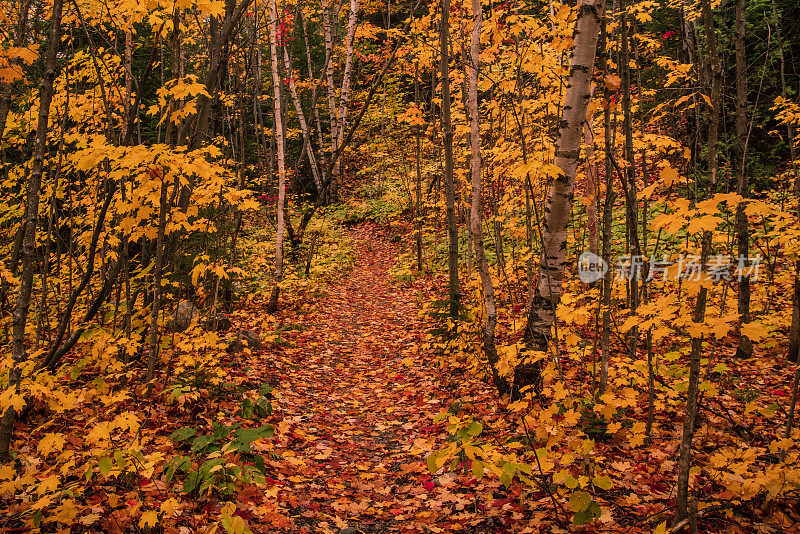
(185,183)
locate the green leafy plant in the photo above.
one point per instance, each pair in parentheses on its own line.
(223,459)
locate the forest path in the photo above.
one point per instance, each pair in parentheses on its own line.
(356,406)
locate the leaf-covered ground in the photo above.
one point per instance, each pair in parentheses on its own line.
(363,412)
(355,402)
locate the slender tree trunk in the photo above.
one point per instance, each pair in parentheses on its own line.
(745,349)
(276,90)
(332,108)
(20,316)
(632,210)
(690,48)
(475,226)
(715,73)
(447,127)
(344,95)
(562,191)
(314,106)
(592,223)
(682,499)
(794,332)
(309,149)
(608,212)
(498,231)
(529,240)
(127,110)
(258,126)
(418,187)
(348,69)
(155,308)
(787,433)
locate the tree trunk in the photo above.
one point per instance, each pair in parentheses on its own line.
(632,210)
(592,223)
(682,500)
(314,106)
(475,227)
(745,349)
(447,128)
(561,193)
(157,273)
(715,73)
(276,91)
(20,316)
(309,149)
(344,98)
(794,332)
(418,185)
(127,110)
(332,108)
(608,212)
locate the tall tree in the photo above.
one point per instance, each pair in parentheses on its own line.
(475,226)
(449,189)
(219,52)
(715,73)
(682,498)
(631,205)
(344,94)
(562,191)
(745,348)
(276,92)
(20,317)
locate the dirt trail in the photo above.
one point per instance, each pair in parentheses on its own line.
(356,406)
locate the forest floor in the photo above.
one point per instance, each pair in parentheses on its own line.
(354,407)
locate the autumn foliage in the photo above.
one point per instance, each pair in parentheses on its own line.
(356,266)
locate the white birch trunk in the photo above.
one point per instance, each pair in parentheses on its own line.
(562,191)
(475,228)
(302,118)
(276,91)
(345,92)
(326,24)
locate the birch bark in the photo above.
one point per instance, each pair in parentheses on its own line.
(276,91)
(475,227)
(561,193)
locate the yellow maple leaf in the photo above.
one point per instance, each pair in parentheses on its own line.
(669,175)
(49,443)
(10,398)
(755,331)
(614,427)
(67,512)
(48,485)
(148,519)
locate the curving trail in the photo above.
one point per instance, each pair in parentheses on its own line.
(355,410)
